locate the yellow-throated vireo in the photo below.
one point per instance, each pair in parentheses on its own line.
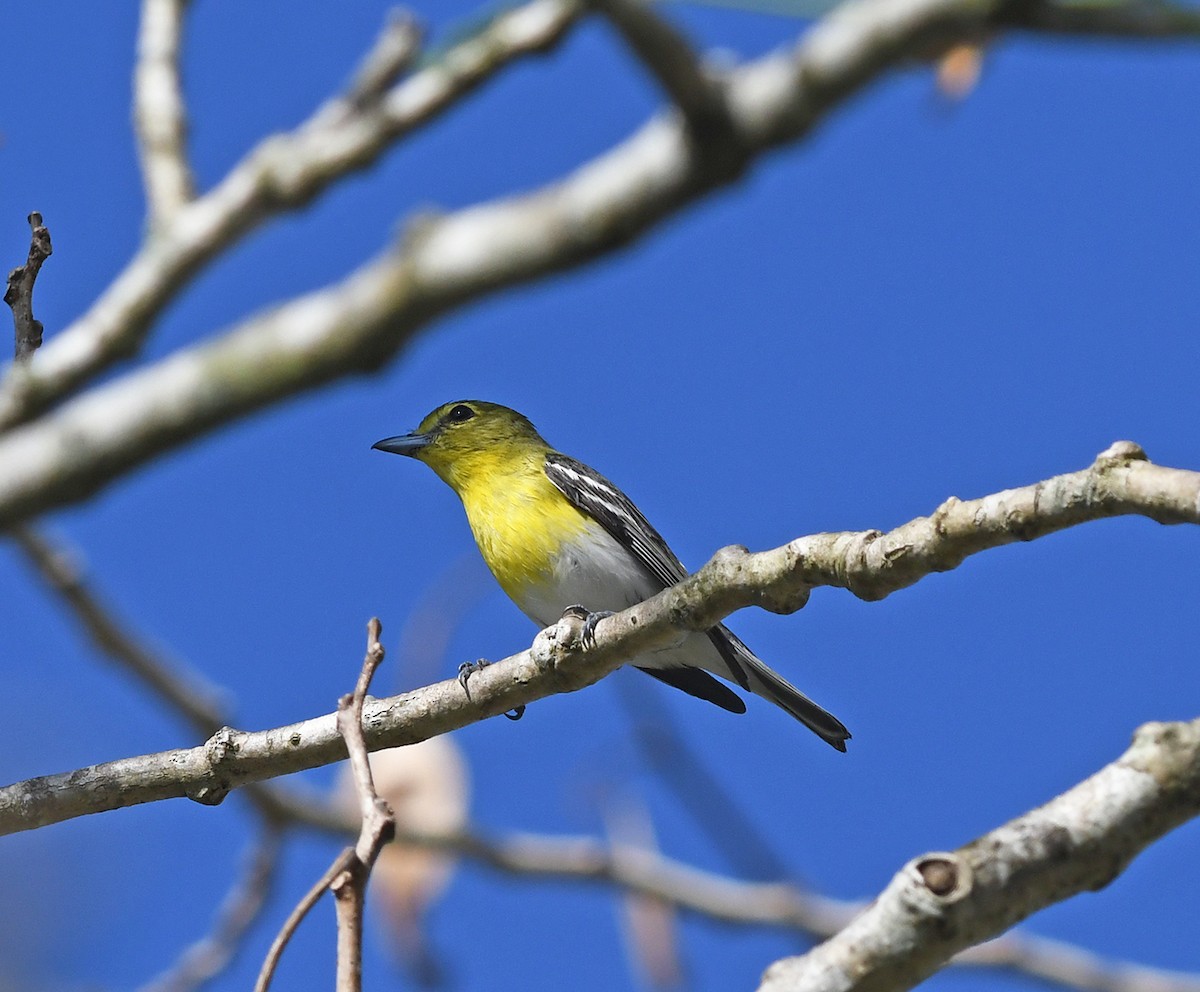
(556,534)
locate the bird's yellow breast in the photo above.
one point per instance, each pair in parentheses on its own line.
(521,523)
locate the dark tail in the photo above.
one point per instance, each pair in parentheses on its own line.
(781,692)
(762,681)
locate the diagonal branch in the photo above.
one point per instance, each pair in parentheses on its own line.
(159,111)
(944,902)
(185,693)
(869,564)
(696,90)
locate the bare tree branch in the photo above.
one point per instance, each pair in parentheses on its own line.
(946,901)
(159,111)
(210,956)
(782,905)
(869,564)
(283,173)
(441,264)
(19,292)
(567,859)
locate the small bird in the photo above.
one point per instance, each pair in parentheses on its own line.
(556,534)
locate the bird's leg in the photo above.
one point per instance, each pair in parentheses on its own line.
(588,636)
(469,668)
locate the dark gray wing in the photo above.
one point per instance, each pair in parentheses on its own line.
(590,492)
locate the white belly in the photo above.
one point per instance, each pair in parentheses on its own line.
(606,577)
(609,578)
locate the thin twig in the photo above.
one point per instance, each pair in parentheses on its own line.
(393,52)
(696,90)
(296,917)
(378,824)
(19,293)
(207,958)
(347,876)
(159,111)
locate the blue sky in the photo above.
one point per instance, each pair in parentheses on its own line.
(923,300)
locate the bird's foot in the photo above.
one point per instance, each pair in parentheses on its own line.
(469,668)
(588,635)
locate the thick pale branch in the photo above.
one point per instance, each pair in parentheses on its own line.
(870,564)
(159,112)
(779,905)
(944,902)
(566,859)
(444,262)
(283,173)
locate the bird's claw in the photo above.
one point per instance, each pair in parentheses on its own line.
(587,636)
(469,668)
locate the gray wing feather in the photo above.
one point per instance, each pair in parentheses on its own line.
(590,492)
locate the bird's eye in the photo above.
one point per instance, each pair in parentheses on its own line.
(460,413)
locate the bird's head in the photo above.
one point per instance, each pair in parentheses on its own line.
(469,440)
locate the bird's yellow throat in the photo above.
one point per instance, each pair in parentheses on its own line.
(521,522)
